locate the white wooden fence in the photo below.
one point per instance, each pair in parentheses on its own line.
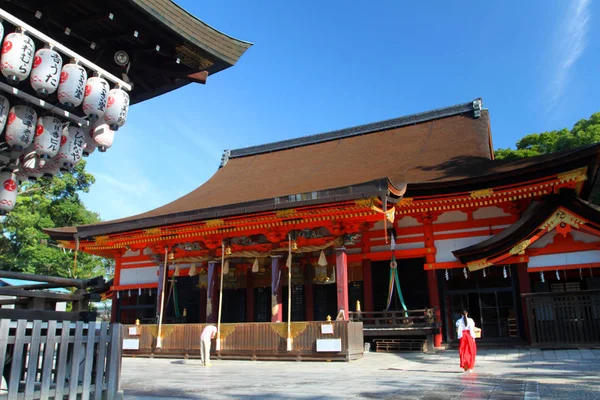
(58,360)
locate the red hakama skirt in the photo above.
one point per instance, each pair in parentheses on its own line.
(467,351)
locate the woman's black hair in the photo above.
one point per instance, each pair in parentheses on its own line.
(464,314)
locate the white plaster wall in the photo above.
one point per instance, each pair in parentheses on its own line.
(584,237)
(405,222)
(131,253)
(577,257)
(445,247)
(544,240)
(451,216)
(132,276)
(489,212)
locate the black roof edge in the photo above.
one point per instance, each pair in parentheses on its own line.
(475,105)
(378,187)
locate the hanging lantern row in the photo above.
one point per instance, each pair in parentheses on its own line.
(74,88)
(43,145)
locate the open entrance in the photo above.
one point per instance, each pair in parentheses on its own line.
(413,283)
(490,301)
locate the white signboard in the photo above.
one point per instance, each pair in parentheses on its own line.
(329,345)
(133,331)
(328,328)
(131,344)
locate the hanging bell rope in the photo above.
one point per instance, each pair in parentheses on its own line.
(395,279)
(176,273)
(192,271)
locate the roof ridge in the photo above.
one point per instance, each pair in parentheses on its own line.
(475,106)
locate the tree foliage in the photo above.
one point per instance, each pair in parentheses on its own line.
(49,203)
(584,132)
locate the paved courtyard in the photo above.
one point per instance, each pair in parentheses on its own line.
(499,374)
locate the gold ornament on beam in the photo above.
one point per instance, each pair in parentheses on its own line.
(479,264)
(520,247)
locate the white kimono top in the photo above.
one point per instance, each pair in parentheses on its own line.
(460,327)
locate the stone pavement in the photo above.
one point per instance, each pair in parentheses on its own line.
(499,374)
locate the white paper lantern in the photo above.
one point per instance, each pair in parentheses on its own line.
(103,135)
(96,97)
(45,75)
(117,108)
(4,107)
(8,191)
(71,88)
(71,149)
(52,167)
(1,31)
(47,137)
(90,143)
(20,127)
(17,57)
(30,164)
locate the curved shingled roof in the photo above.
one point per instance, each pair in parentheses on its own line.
(442,150)
(529,225)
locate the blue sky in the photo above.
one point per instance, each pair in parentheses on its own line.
(322,65)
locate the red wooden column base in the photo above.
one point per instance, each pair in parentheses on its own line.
(341,280)
(434,302)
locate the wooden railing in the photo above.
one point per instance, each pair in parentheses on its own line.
(53,359)
(250,340)
(423,318)
(564,318)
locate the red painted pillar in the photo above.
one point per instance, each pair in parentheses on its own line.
(309,308)
(249,296)
(432,281)
(524,287)
(367,286)
(341,280)
(276,305)
(211,293)
(434,302)
(114,310)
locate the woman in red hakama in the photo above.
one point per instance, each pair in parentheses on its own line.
(465,328)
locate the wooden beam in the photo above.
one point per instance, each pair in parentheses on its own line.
(65,282)
(41,295)
(46,315)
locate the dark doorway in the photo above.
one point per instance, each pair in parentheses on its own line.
(490,301)
(325,301)
(413,283)
(234,305)
(298,309)
(262,304)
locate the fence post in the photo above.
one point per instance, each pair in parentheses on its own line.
(532,326)
(113,364)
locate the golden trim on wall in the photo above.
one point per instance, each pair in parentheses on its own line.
(479,264)
(520,247)
(296,328)
(286,213)
(561,216)
(482,193)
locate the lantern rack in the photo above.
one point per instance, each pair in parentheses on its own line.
(34,32)
(41,103)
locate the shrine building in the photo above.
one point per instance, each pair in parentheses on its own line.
(411,215)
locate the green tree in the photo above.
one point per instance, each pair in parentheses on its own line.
(584,132)
(49,203)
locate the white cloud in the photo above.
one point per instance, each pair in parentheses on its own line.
(569,45)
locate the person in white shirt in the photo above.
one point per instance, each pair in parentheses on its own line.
(208,333)
(465,329)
